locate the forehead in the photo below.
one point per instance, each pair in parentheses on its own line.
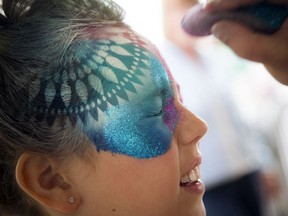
(125,35)
(98,71)
(122,56)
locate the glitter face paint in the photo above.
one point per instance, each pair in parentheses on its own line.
(142,128)
(119,91)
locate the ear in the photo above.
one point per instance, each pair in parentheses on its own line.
(38,177)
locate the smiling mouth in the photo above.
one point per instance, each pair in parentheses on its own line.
(191,177)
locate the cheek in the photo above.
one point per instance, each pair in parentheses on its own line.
(151,183)
(162,184)
(127,184)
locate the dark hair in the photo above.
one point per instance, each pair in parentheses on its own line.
(35,35)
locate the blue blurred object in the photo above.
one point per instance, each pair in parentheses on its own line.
(262,17)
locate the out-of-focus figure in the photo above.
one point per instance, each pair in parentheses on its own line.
(259,99)
(239,167)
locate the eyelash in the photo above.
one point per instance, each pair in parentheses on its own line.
(155,114)
(160,110)
(159,113)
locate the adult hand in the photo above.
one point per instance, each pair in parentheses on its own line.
(271,50)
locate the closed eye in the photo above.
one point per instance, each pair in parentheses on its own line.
(153,107)
(159,113)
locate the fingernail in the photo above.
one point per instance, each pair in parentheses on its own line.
(209,4)
(220,32)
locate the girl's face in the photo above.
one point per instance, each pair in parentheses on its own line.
(147,142)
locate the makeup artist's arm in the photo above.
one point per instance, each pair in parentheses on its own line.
(271,50)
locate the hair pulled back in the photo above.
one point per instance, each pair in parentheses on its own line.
(34,36)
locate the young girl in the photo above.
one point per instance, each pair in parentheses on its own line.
(91,121)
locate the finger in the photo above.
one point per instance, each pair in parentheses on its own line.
(219,5)
(244,42)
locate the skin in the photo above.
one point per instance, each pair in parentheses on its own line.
(168,198)
(118,184)
(271,50)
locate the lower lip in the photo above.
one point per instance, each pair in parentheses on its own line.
(197,187)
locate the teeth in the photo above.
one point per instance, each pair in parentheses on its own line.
(192,176)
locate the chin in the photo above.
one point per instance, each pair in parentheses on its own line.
(197,210)
(201,211)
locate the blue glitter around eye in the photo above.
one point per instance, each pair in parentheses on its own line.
(162,82)
(130,129)
(128,132)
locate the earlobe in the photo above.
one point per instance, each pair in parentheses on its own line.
(37,176)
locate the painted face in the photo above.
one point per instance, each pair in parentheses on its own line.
(117,89)
(120,92)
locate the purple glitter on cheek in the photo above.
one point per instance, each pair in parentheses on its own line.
(171,114)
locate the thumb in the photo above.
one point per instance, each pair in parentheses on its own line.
(243,41)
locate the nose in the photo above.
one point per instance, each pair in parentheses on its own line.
(190,128)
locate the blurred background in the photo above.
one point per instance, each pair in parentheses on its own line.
(245,152)
(259,103)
